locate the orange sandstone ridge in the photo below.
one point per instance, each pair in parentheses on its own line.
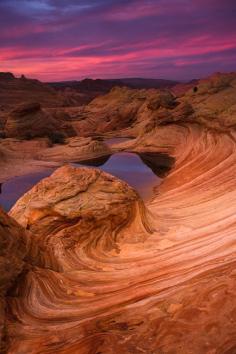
(99,271)
(211,103)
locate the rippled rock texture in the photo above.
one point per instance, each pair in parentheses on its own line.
(211,102)
(28,121)
(20,157)
(13,249)
(76,149)
(76,218)
(113,275)
(14,91)
(109,274)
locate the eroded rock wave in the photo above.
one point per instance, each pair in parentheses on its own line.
(112,275)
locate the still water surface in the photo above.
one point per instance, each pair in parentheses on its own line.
(126,166)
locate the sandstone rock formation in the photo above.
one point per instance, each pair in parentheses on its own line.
(116,110)
(86,90)
(122,277)
(214,101)
(210,102)
(21,157)
(19,90)
(181,88)
(110,274)
(131,111)
(76,149)
(71,214)
(13,248)
(14,91)
(28,121)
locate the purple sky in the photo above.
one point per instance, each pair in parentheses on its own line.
(72,39)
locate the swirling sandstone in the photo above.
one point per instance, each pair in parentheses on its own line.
(76,149)
(111,275)
(211,103)
(13,249)
(124,279)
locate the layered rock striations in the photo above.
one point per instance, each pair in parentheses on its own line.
(21,157)
(116,110)
(122,277)
(14,91)
(110,274)
(28,121)
(75,150)
(88,89)
(210,102)
(13,249)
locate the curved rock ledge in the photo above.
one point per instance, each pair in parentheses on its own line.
(20,157)
(112,275)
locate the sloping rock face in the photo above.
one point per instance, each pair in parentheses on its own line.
(13,247)
(28,121)
(76,149)
(127,110)
(76,218)
(112,275)
(122,277)
(86,90)
(116,110)
(214,101)
(14,91)
(210,102)
(20,157)
(17,90)
(181,88)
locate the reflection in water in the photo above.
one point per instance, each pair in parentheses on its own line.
(13,189)
(140,172)
(130,168)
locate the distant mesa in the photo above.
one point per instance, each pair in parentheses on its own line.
(14,90)
(105,85)
(6,76)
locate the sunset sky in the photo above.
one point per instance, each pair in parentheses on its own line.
(56,40)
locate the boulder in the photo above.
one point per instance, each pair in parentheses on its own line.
(29,120)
